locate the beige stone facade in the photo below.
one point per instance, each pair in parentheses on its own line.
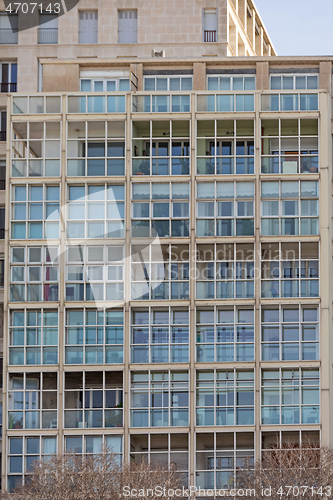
(240,319)
(216,344)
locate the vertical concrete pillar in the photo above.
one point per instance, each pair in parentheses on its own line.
(262,75)
(199,76)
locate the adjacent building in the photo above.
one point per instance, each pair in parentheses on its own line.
(167,241)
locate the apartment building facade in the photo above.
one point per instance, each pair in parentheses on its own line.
(168,240)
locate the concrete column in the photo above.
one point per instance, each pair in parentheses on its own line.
(137,69)
(325,260)
(5,308)
(199,76)
(259,46)
(61,292)
(257,282)
(262,76)
(192,377)
(250,27)
(127,333)
(242,12)
(325,75)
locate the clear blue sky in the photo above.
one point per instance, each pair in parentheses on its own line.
(298,27)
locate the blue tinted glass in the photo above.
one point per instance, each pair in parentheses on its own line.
(111,86)
(20,193)
(85,85)
(36,193)
(52,193)
(76,192)
(116,192)
(124,85)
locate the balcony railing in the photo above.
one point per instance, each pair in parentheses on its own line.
(2,184)
(160,103)
(226,102)
(8,87)
(290,101)
(2,233)
(95,103)
(8,35)
(47,35)
(210,36)
(2,135)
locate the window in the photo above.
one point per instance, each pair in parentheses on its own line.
(289,146)
(94,336)
(170,449)
(225,147)
(96,103)
(219,456)
(3,177)
(33,337)
(294,82)
(93,399)
(37,105)
(289,334)
(290,269)
(160,209)
(160,335)
(35,212)
(2,271)
(161,148)
(225,271)
(225,397)
(175,103)
(225,102)
(225,208)
(296,101)
(8,75)
(105,84)
(36,149)
(95,444)
(225,82)
(159,399)
(2,223)
(88,26)
(95,273)
(289,208)
(96,148)
(210,25)
(225,335)
(8,28)
(3,125)
(96,211)
(160,272)
(34,274)
(290,396)
(127,26)
(32,401)
(48,29)
(152,83)
(24,452)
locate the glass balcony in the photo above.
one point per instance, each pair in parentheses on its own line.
(225,103)
(159,103)
(36,105)
(289,102)
(96,103)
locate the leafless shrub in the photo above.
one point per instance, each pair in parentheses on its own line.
(96,477)
(288,471)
